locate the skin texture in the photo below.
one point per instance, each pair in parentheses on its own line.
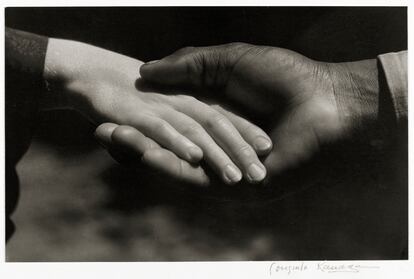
(104,86)
(307,103)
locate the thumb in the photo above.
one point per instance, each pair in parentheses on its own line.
(196,67)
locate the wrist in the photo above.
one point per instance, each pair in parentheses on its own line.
(77,73)
(62,62)
(356,91)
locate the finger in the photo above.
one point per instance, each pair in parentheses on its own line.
(227,137)
(129,138)
(103,133)
(201,66)
(168,163)
(253,135)
(167,136)
(214,155)
(122,153)
(136,146)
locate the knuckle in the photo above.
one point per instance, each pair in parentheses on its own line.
(191,130)
(186,50)
(167,135)
(159,127)
(181,54)
(217,107)
(122,131)
(189,49)
(237,48)
(216,120)
(187,99)
(195,67)
(236,45)
(244,151)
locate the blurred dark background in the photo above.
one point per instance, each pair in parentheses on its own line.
(77,204)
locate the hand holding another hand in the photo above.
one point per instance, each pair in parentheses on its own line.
(307,103)
(171,132)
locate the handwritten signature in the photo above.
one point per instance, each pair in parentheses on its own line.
(324,266)
(287,268)
(332,268)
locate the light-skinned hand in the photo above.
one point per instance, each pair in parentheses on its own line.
(102,85)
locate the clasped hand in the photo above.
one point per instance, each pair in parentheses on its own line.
(307,104)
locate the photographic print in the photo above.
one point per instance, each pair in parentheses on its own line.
(138,134)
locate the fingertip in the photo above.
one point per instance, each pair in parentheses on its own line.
(104,132)
(146,70)
(232,174)
(105,129)
(262,145)
(256,173)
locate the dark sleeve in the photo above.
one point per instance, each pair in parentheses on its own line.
(25,58)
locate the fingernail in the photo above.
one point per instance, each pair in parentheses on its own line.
(232,175)
(194,154)
(151,62)
(262,144)
(255,173)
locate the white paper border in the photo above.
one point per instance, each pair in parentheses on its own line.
(194,270)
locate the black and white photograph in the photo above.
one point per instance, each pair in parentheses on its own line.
(206,133)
